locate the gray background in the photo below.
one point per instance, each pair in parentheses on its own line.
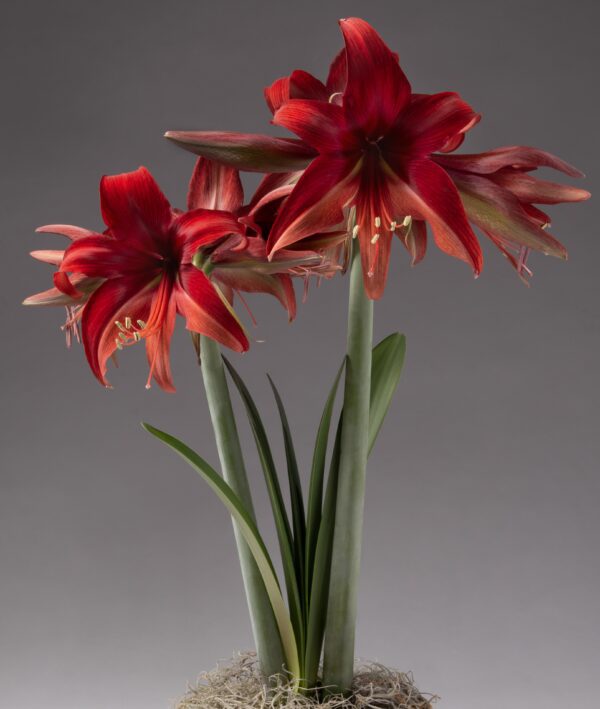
(119,579)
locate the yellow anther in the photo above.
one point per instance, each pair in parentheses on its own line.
(377,222)
(407,221)
(123,336)
(128,323)
(375,238)
(136,336)
(120,325)
(141,324)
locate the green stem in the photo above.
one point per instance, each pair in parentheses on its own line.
(338,665)
(264,627)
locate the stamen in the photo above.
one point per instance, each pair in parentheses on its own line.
(120,326)
(136,336)
(355,231)
(123,336)
(377,222)
(407,221)
(128,323)
(118,343)
(375,238)
(141,323)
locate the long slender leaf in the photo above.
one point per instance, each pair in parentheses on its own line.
(322,570)
(282,525)
(386,367)
(251,535)
(298,518)
(315,490)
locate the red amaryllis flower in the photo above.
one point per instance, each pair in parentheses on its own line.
(373,141)
(499,192)
(144,263)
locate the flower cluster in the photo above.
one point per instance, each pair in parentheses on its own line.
(371,160)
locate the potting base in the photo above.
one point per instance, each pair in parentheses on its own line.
(239,685)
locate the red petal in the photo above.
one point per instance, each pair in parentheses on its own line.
(246,151)
(134,208)
(338,74)
(203,226)
(516,156)
(431,122)
(496,210)
(377,89)
(114,300)
(206,312)
(71,232)
(158,349)
(64,285)
(416,240)
(278,93)
(252,281)
(105,257)
(317,201)
(321,125)
(435,199)
(529,189)
(48,256)
(215,186)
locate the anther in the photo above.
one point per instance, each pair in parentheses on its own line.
(377,222)
(136,336)
(141,324)
(123,336)
(128,323)
(120,325)
(118,343)
(393,225)
(407,221)
(355,231)
(375,238)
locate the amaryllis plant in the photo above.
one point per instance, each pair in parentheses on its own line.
(370,160)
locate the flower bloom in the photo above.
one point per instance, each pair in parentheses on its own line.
(368,142)
(142,274)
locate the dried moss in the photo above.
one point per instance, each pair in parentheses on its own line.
(238,685)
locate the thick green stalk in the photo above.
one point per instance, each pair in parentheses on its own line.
(338,665)
(264,627)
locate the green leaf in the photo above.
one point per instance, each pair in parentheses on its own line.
(317,475)
(298,518)
(386,367)
(319,594)
(282,525)
(251,536)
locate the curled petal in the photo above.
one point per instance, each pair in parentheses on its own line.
(316,203)
(322,125)
(338,74)
(377,89)
(215,186)
(54,296)
(516,156)
(300,84)
(415,240)
(203,226)
(432,122)
(114,300)
(134,208)
(245,151)
(206,311)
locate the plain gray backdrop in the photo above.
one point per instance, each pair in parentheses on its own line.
(119,580)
